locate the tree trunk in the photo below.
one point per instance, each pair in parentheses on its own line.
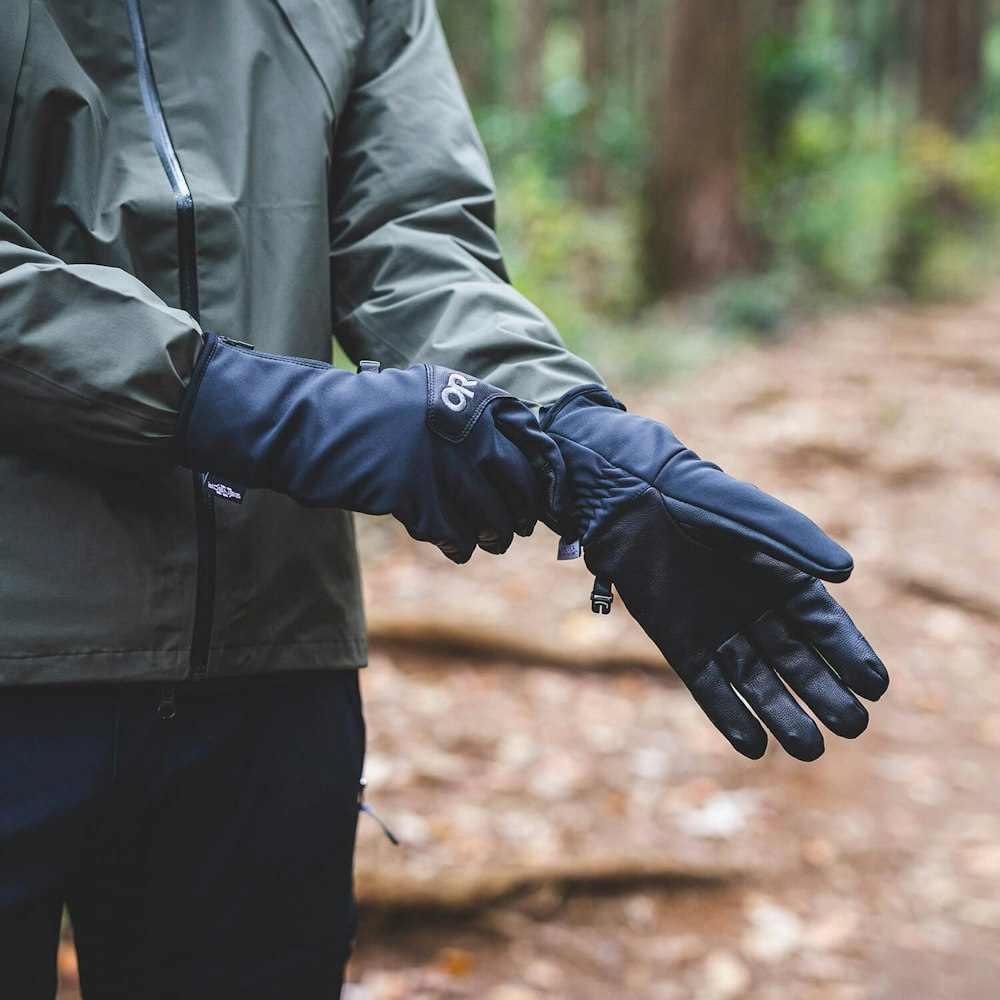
(951,44)
(530,45)
(695,228)
(595,28)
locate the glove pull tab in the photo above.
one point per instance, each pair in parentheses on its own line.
(601,597)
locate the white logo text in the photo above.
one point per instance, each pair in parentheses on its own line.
(459,390)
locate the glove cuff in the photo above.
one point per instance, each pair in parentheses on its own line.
(183,448)
(592,393)
(243,411)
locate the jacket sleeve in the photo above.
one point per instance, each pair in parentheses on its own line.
(416,269)
(93,365)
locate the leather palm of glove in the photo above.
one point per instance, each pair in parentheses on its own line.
(458,461)
(724,578)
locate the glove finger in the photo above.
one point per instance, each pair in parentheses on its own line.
(808,676)
(813,615)
(456,552)
(770,699)
(705,500)
(489,541)
(516,484)
(519,426)
(483,507)
(728,714)
(448,529)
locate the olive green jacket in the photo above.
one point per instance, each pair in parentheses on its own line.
(339,188)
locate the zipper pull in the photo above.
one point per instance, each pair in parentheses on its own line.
(167,708)
(601,597)
(367,809)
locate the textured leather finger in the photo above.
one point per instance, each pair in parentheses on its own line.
(489,541)
(770,699)
(805,672)
(813,615)
(708,684)
(484,509)
(446,527)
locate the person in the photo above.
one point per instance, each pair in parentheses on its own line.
(194,200)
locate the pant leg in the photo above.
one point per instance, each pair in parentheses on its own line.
(56,762)
(227,872)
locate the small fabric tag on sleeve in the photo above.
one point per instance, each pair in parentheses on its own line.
(225,489)
(569,549)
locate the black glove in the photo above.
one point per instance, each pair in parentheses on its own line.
(456,460)
(721,576)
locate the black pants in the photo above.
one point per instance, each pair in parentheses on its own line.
(204,857)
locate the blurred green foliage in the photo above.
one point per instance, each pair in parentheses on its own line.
(851,191)
(574,261)
(852,196)
(558,133)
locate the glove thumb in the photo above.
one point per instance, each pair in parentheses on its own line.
(717,509)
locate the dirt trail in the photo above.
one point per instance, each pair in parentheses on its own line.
(573,826)
(873,873)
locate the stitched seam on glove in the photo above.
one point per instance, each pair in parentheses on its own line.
(616,462)
(301,362)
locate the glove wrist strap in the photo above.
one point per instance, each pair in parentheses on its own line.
(594,393)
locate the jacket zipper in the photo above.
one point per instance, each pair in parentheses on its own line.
(204,509)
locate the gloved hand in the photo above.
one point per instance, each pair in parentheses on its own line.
(720,575)
(455,459)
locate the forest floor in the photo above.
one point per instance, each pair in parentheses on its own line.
(573,826)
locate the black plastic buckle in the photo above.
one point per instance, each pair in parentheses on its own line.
(601,597)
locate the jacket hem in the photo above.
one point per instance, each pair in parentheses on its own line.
(143,665)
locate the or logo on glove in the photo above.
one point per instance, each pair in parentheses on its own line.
(724,578)
(459,390)
(455,401)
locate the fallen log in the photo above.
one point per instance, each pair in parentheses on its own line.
(948,593)
(490,642)
(468,891)
(478,642)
